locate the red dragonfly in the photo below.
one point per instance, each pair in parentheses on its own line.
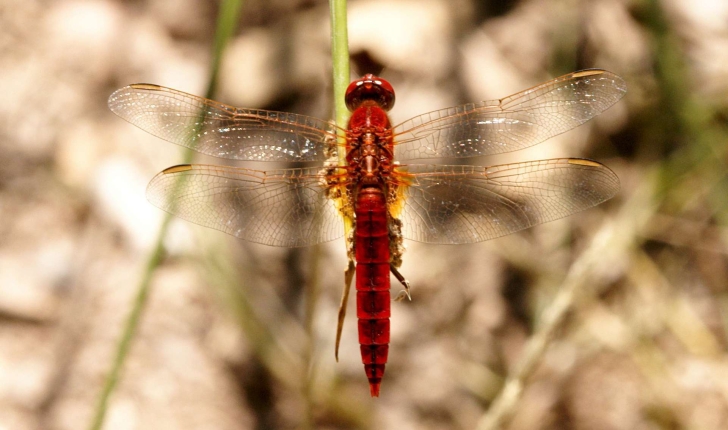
(373,200)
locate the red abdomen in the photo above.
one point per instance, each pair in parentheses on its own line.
(372,283)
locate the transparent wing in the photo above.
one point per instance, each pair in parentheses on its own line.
(286,207)
(512,123)
(220,130)
(463,204)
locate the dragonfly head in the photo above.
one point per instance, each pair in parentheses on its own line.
(370,87)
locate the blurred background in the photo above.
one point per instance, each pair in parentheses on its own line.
(241,336)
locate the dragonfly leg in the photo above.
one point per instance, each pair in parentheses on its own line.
(348,276)
(404,293)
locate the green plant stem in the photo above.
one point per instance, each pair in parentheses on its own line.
(226,23)
(340,60)
(340,75)
(132,323)
(227,20)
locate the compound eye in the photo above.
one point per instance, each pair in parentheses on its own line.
(351,96)
(372,88)
(387,91)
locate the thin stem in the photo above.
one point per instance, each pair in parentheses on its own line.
(130,327)
(340,59)
(226,23)
(611,241)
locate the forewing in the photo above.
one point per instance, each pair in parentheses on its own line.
(220,130)
(286,207)
(463,204)
(512,123)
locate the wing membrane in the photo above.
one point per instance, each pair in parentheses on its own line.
(284,207)
(516,122)
(463,204)
(220,130)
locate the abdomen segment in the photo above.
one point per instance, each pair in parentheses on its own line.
(372,283)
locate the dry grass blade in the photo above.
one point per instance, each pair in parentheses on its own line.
(613,239)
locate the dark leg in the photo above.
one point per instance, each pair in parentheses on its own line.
(404,293)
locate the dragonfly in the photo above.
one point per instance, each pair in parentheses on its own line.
(372,186)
